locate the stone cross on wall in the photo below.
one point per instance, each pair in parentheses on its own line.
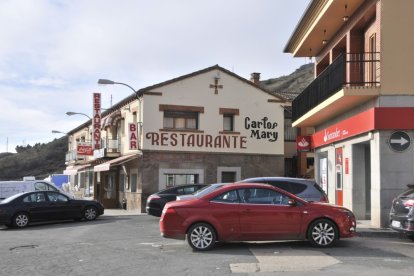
(216,86)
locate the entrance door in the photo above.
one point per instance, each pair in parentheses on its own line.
(339,177)
(109,190)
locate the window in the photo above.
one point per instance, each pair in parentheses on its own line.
(57,197)
(228,117)
(228,197)
(228,122)
(180,179)
(41,186)
(262,196)
(228,177)
(184,120)
(290,132)
(36,197)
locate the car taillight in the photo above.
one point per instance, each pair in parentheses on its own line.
(167,210)
(409,203)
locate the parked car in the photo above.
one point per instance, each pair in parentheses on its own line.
(21,209)
(307,189)
(156,202)
(254,212)
(402,213)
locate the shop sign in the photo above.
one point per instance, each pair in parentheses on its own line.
(303,143)
(96,121)
(133,136)
(84,149)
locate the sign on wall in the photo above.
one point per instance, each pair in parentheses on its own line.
(399,141)
(84,148)
(96,121)
(303,143)
(133,136)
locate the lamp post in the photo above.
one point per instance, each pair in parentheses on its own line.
(111,82)
(57,131)
(71,113)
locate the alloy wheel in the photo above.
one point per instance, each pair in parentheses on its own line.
(201,236)
(90,213)
(323,233)
(21,220)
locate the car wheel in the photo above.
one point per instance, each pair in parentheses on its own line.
(322,233)
(411,237)
(201,236)
(20,220)
(90,213)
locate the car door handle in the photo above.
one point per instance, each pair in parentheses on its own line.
(246,210)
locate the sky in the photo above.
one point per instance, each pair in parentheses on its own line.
(52,52)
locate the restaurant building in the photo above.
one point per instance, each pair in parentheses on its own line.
(359,110)
(209,126)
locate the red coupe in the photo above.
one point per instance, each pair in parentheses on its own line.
(253,212)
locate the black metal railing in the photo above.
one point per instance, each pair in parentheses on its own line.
(363,69)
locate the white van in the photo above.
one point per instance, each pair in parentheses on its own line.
(29,184)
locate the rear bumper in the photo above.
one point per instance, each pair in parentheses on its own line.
(402,224)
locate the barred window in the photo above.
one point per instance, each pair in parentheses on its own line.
(180,120)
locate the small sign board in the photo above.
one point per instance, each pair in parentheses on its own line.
(399,141)
(303,143)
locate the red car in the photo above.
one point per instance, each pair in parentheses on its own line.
(253,212)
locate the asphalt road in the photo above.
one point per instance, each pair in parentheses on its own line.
(131,245)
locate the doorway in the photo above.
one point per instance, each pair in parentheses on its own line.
(361,179)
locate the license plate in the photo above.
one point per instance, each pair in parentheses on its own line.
(396,224)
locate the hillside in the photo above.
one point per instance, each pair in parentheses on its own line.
(292,84)
(40,161)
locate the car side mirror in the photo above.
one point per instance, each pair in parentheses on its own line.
(291,202)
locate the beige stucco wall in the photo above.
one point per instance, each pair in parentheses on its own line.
(195,91)
(397,44)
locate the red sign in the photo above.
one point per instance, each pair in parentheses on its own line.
(303,143)
(374,118)
(84,149)
(347,165)
(133,136)
(96,121)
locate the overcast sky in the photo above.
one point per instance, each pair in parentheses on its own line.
(52,52)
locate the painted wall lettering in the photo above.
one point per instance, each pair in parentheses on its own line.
(261,129)
(192,140)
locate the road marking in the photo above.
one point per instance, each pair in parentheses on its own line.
(284,260)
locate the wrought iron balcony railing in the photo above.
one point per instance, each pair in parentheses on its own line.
(351,69)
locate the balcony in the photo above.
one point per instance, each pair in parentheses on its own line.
(111,147)
(350,80)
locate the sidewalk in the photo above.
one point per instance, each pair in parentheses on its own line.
(122,212)
(364,229)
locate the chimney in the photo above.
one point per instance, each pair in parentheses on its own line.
(255,78)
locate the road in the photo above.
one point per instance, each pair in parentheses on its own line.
(131,245)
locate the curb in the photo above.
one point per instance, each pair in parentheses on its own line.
(379,233)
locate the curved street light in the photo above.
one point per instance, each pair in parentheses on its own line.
(70,113)
(111,82)
(57,131)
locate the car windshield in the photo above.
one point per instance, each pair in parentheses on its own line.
(206,190)
(11,198)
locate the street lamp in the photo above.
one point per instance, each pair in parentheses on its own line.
(70,113)
(57,131)
(111,82)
